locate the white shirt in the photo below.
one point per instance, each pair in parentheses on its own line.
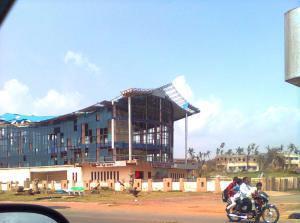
(245,190)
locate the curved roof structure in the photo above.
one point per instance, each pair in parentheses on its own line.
(180,104)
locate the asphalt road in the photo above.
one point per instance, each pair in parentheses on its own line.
(127,217)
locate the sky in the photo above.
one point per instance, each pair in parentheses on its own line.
(225,57)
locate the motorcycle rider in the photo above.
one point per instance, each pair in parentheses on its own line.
(235,194)
(228,191)
(245,192)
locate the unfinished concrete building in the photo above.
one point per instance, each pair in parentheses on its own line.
(131,134)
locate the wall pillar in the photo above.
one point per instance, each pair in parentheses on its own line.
(201,185)
(87,185)
(217,185)
(167,184)
(181,184)
(150,185)
(283,184)
(264,183)
(277,184)
(137,183)
(64,184)
(111,184)
(44,184)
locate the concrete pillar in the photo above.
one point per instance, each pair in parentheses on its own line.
(283,184)
(137,183)
(201,185)
(9,186)
(44,184)
(113,125)
(64,184)
(167,182)
(181,184)
(52,186)
(150,189)
(186,138)
(271,184)
(295,183)
(264,183)
(16,185)
(277,184)
(87,185)
(111,184)
(35,186)
(26,183)
(217,185)
(129,129)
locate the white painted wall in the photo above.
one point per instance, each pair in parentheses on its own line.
(211,185)
(224,184)
(157,186)
(175,186)
(190,186)
(145,186)
(14,175)
(117,186)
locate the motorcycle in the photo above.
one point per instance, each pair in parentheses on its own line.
(254,210)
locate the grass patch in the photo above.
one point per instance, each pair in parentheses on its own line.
(104,196)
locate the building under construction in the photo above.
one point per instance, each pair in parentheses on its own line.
(131,134)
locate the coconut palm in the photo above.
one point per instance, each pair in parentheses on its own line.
(191,153)
(239,150)
(229,152)
(251,149)
(291,149)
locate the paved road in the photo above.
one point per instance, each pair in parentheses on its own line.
(127,217)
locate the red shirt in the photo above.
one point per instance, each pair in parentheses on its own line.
(230,187)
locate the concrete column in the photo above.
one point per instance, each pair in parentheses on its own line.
(113,126)
(283,184)
(64,184)
(264,183)
(129,130)
(150,185)
(137,183)
(295,183)
(186,138)
(167,184)
(26,183)
(217,185)
(44,184)
(181,184)
(201,185)
(86,185)
(277,184)
(111,184)
(52,186)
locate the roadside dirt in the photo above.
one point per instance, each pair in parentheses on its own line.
(206,204)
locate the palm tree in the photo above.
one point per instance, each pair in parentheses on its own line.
(218,152)
(220,149)
(229,152)
(201,158)
(291,149)
(191,153)
(251,149)
(239,150)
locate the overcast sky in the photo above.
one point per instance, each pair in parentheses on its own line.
(226,57)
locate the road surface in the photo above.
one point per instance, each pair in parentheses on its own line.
(127,217)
